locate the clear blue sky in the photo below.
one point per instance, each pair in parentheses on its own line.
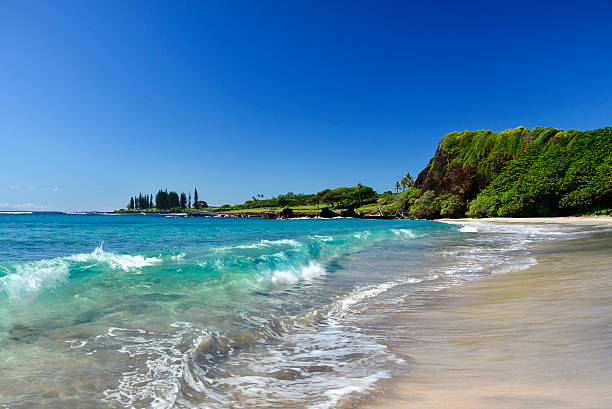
(101,100)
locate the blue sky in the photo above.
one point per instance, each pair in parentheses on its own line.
(101,100)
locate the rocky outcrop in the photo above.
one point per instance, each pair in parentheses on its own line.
(443,176)
(286,213)
(350,212)
(327,214)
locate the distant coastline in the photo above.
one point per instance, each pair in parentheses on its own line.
(520,172)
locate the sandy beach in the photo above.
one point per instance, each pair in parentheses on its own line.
(574,220)
(537,338)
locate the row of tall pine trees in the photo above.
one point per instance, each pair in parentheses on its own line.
(165,200)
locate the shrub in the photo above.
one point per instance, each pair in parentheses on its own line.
(450,206)
(426,207)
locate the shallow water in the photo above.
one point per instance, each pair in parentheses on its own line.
(540,338)
(145,311)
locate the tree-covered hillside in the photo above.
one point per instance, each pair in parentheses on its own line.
(521,172)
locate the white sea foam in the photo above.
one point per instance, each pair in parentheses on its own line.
(362,235)
(261,244)
(355,386)
(1,213)
(404,233)
(25,281)
(161,364)
(178,257)
(511,228)
(322,238)
(289,242)
(123,262)
(321,364)
(499,248)
(293,275)
(518,265)
(343,305)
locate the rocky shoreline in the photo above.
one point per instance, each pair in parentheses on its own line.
(324,213)
(287,213)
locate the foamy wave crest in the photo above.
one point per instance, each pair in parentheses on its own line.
(322,238)
(287,261)
(25,281)
(404,233)
(266,263)
(362,235)
(306,273)
(123,262)
(288,267)
(261,244)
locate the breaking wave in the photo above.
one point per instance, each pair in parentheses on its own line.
(266,262)
(123,262)
(24,281)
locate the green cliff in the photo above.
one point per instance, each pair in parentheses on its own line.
(522,172)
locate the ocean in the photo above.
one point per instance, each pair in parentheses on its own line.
(139,311)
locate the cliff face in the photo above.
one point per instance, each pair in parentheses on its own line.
(523,172)
(467,162)
(444,176)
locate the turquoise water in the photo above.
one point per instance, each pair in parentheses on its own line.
(148,311)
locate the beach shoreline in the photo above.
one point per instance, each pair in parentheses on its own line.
(576,220)
(536,338)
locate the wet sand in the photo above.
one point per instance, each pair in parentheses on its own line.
(537,338)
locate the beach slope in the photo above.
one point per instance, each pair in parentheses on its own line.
(537,338)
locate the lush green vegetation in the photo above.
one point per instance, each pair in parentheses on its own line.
(340,198)
(258,202)
(537,172)
(514,173)
(141,202)
(567,172)
(165,201)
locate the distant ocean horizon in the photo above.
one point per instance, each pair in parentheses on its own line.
(129,310)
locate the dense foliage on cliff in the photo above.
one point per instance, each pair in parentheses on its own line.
(520,172)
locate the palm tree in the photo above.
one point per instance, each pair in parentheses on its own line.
(407,181)
(359,186)
(397,187)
